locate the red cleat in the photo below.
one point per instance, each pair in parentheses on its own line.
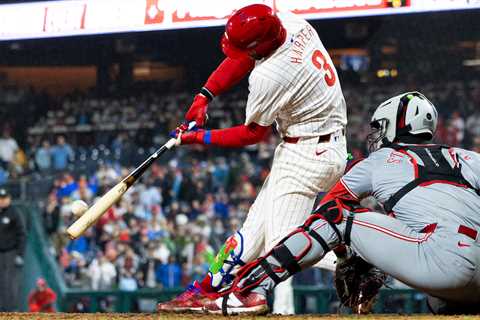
(192,300)
(250,304)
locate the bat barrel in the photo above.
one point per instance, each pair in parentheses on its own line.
(108,199)
(96,211)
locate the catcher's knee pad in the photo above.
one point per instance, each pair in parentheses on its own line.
(225,274)
(333,213)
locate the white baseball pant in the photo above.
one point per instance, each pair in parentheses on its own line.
(299,172)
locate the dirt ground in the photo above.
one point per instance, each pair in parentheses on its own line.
(115,316)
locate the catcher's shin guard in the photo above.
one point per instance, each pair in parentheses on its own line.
(300,249)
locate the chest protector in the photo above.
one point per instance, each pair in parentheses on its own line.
(436,169)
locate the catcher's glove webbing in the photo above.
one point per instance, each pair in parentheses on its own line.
(357,283)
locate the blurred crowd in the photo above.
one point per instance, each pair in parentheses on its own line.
(163,232)
(166,229)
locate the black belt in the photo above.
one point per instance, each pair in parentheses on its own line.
(321,139)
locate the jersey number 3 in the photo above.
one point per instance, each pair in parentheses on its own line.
(319,61)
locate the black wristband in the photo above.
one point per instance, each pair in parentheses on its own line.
(207,94)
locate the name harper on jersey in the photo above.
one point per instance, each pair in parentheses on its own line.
(300,42)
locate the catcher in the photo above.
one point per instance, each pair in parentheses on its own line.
(429,240)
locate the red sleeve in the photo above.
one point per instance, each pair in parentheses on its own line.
(228,73)
(239,136)
(234,137)
(339,191)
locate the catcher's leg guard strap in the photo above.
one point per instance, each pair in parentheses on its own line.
(331,212)
(318,238)
(286,259)
(348,229)
(269,271)
(335,229)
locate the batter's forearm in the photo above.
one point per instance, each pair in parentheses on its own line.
(234,137)
(239,136)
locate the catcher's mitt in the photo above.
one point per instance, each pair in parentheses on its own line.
(357,283)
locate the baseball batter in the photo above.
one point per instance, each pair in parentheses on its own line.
(430,239)
(293,84)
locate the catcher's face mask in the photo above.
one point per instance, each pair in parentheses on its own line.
(378,131)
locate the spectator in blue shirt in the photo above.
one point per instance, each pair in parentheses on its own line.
(80,245)
(221,206)
(62,153)
(68,185)
(43,156)
(169,274)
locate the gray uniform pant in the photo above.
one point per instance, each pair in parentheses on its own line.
(442,262)
(9,281)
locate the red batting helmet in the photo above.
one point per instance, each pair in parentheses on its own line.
(253,30)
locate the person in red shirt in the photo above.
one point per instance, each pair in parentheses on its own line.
(42,298)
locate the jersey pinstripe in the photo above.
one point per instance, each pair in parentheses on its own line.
(297,87)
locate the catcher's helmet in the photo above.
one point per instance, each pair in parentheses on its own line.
(253,30)
(407,114)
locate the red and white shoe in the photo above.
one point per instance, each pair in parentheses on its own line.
(251,304)
(190,301)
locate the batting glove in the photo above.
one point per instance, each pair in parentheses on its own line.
(198,110)
(198,136)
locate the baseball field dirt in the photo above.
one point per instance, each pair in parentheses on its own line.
(127,316)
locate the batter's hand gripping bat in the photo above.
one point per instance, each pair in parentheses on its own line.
(113,195)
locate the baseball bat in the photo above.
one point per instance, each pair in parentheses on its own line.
(90,216)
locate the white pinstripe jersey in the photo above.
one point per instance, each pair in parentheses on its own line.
(297,86)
